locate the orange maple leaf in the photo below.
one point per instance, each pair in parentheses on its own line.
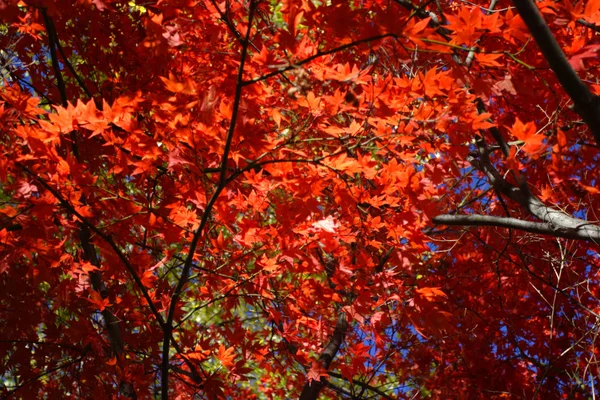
(311,101)
(149,279)
(199,354)
(534,145)
(430,293)
(172,85)
(488,60)
(226,356)
(269,264)
(97,300)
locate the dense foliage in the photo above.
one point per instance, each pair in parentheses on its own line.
(300,199)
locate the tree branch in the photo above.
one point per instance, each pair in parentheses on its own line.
(185,273)
(71,68)
(363,385)
(514,223)
(312,389)
(420,12)
(317,55)
(53,58)
(555,222)
(587,105)
(593,27)
(85,224)
(101,234)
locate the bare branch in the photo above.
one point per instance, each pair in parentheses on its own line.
(317,55)
(514,223)
(555,222)
(362,385)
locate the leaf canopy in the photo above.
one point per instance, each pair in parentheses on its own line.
(274,200)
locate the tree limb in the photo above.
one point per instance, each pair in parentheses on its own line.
(555,222)
(53,58)
(373,389)
(514,223)
(312,389)
(587,105)
(185,273)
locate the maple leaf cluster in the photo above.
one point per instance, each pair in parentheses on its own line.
(299,199)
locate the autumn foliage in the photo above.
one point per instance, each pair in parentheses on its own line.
(366,199)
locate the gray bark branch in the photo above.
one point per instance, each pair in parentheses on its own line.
(514,223)
(554,222)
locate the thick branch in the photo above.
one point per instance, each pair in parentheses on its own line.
(514,223)
(420,12)
(555,222)
(111,321)
(312,389)
(53,58)
(586,104)
(593,27)
(496,134)
(522,195)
